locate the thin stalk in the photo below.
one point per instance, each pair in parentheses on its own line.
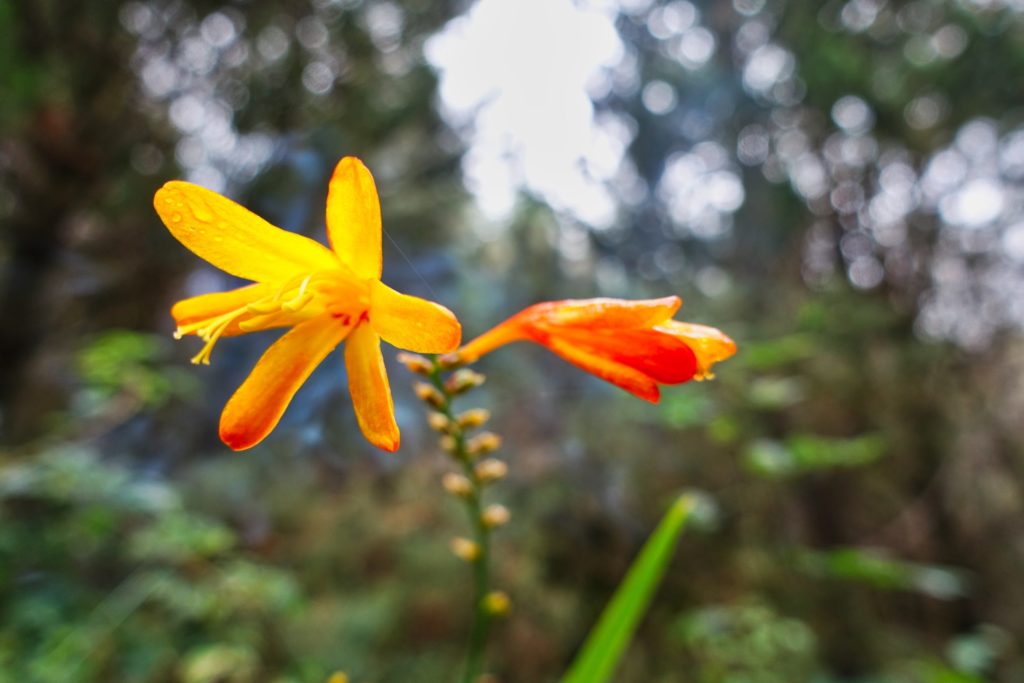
(481,535)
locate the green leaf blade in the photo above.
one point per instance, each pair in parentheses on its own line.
(608,640)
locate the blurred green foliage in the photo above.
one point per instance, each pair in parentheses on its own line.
(746,643)
(151,587)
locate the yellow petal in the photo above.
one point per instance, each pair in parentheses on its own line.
(411,323)
(368,384)
(353,218)
(633,381)
(259,403)
(208,306)
(233,238)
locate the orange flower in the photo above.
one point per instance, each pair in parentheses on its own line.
(324,295)
(632,344)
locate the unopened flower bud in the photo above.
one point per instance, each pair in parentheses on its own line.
(465,549)
(450,361)
(495,516)
(482,444)
(448,444)
(338,677)
(429,394)
(473,418)
(490,470)
(415,363)
(496,603)
(457,485)
(463,380)
(439,422)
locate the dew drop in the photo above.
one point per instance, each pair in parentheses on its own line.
(176,218)
(201,213)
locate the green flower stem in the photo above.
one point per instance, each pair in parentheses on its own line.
(481,533)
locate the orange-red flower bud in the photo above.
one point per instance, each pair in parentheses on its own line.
(633,344)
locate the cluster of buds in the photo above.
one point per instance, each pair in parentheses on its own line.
(468,451)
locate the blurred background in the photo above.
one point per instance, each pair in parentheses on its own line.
(837,185)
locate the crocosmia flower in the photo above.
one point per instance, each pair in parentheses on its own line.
(632,344)
(325,296)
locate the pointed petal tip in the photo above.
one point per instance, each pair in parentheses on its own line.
(653,396)
(412,323)
(349,164)
(237,440)
(389,444)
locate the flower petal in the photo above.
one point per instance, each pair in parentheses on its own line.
(207,306)
(411,323)
(709,344)
(353,218)
(233,238)
(259,403)
(371,393)
(511,330)
(633,381)
(603,313)
(660,356)
(544,320)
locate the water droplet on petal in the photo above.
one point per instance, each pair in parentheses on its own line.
(201,213)
(175,217)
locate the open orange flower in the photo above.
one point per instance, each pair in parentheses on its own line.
(632,344)
(324,295)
